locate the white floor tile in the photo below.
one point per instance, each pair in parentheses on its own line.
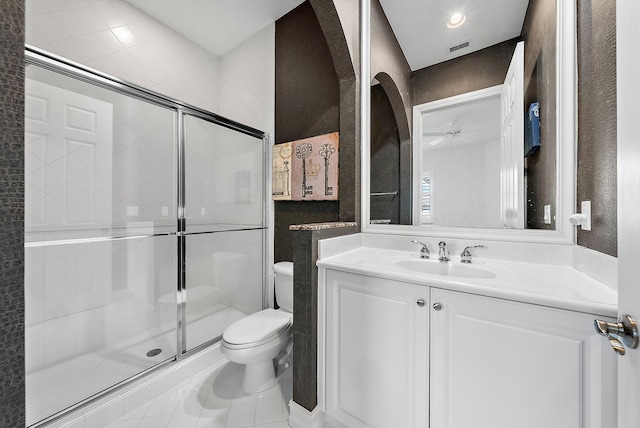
(213,418)
(131,423)
(268,411)
(160,421)
(212,398)
(164,404)
(241,415)
(184,419)
(138,412)
(278,424)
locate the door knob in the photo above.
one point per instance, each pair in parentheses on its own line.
(420,302)
(620,334)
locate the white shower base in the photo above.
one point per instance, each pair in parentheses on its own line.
(61,385)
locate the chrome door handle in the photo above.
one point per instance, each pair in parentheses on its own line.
(620,334)
(420,302)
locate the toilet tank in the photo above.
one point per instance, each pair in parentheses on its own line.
(284,285)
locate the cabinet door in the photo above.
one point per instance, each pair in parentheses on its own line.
(503,364)
(376,352)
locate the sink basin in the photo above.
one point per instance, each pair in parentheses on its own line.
(445,269)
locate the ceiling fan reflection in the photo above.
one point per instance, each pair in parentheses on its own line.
(449,135)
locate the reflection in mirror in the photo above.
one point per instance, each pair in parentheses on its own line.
(385,160)
(459,163)
(428,62)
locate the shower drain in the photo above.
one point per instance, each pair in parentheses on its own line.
(154,352)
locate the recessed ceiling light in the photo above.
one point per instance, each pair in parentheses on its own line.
(456,20)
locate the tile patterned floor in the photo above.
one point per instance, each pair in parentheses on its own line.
(214,398)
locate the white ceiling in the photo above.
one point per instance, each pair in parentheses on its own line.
(216,25)
(421,26)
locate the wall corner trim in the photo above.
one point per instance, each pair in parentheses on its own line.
(299,417)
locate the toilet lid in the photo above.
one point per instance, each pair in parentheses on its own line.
(257,327)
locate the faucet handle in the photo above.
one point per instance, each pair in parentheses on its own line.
(443,252)
(465,257)
(424,251)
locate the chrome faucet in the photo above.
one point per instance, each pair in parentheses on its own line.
(424,251)
(465,257)
(443,253)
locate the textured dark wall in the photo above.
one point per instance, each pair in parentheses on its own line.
(539,35)
(12,19)
(477,70)
(387,56)
(385,158)
(335,27)
(597,121)
(390,68)
(305,312)
(316,93)
(307,104)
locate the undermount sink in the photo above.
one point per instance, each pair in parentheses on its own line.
(445,269)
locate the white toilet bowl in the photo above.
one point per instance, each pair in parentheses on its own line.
(258,338)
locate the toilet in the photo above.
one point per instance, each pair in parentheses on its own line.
(258,338)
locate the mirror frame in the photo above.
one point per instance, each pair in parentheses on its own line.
(566,134)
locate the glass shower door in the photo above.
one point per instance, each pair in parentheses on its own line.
(224,228)
(100,245)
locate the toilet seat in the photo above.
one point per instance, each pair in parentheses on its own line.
(257,329)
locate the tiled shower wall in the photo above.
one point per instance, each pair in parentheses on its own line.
(117,38)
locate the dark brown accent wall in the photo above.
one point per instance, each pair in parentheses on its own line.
(387,56)
(307,104)
(539,35)
(390,67)
(305,312)
(12,401)
(331,23)
(316,93)
(477,70)
(597,122)
(385,158)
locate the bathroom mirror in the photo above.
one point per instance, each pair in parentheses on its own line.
(419,94)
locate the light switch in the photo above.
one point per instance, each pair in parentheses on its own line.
(165,211)
(132,211)
(547,214)
(586,212)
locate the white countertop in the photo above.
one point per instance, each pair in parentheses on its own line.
(550,285)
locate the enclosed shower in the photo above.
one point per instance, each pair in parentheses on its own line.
(145,231)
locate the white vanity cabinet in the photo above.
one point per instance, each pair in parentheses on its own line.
(376,352)
(503,364)
(398,354)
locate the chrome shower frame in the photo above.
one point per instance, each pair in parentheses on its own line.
(57,64)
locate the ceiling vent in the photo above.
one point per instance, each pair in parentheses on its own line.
(460,46)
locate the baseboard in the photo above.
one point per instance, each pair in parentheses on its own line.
(299,417)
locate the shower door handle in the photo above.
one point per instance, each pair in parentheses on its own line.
(620,334)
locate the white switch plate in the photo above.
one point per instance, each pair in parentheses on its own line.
(202,211)
(547,214)
(165,211)
(586,212)
(132,211)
